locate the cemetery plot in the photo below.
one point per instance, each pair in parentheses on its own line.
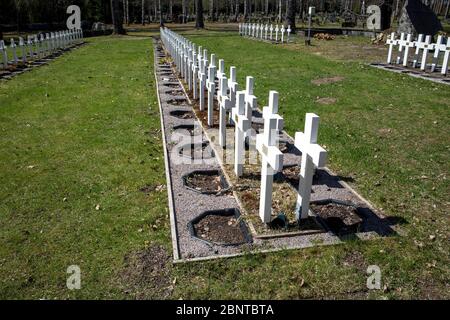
(273,191)
(22,56)
(420,58)
(264,32)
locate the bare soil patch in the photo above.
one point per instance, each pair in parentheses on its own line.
(220,229)
(341,219)
(326,101)
(210,183)
(146,274)
(321,81)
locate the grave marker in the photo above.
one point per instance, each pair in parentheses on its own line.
(439,47)
(445,61)
(289,30)
(233,85)
(22,48)
(276,33)
(426,47)
(391,41)
(241,126)
(408,45)
(14,51)
(211,86)
(266,29)
(271,31)
(401,45)
(4,54)
(271,158)
(282,33)
(224,107)
(313,155)
(417,52)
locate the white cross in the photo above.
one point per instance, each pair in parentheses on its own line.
(38,46)
(313,155)
(408,45)
(233,85)
(49,45)
(253,30)
(266,29)
(417,52)
(439,47)
(241,126)
(202,84)
(391,41)
(282,33)
(401,45)
(194,73)
(445,61)
(271,31)
(289,30)
(4,54)
(22,47)
(271,158)
(426,47)
(30,47)
(224,107)
(261,33)
(276,33)
(14,50)
(250,99)
(221,71)
(211,86)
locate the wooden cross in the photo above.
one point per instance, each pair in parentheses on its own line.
(391,41)
(202,84)
(211,86)
(250,99)
(271,31)
(313,156)
(289,30)
(233,85)
(408,45)
(266,29)
(224,107)
(426,47)
(439,47)
(221,71)
(401,45)
(271,158)
(22,47)
(30,47)
(241,125)
(14,50)
(282,33)
(417,52)
(4,54)
(261,33)
(276,33)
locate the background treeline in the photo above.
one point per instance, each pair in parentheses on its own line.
(24,12)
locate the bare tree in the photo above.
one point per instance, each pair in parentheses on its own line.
(143,12)
(199,23)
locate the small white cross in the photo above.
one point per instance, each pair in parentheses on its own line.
(221,71)
(439,47)
(266,29)
(417,52)
(271,158)
(282,33)
(202,84)
(391,41)
(241,125)
(409,44)
(401,45)
(22,48)
(276,33)
(313,155)
(271,31)
(14,50)
(426,47)
(4,54)
(224,107)
(261,33)
(233,85)
(445,61)
(30,47)
(289,30)
(211,86)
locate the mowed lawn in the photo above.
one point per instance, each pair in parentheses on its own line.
(80,138)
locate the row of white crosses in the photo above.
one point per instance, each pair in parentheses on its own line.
(401,48)
(265,32)
(37,46)
(193,65)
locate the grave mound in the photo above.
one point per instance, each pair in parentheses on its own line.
(321,81)
(177,102)
(340,217)
(220,227)
(197,151)
(182,114)
(326,100)
(206,182)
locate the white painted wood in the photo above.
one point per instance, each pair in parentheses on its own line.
(4,54)
(23,50)
(14,51)
(276,33)
(266,29)
(283,30)
(426,47)
(401,45)
(409,44)
(224,107)
(233,86)
(289,30)
(241,126)
(271,158)
(211,87)
(271,32)
(445,61)
(417,52)
(391,41)
(313,156)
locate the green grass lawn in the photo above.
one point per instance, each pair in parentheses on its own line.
(84,131)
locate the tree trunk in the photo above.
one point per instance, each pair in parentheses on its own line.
(447,9)
(171,10)
(199,23)
(211,10)
(117,17)
(143,12)
(280,8)
(161,22)
(290,16)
